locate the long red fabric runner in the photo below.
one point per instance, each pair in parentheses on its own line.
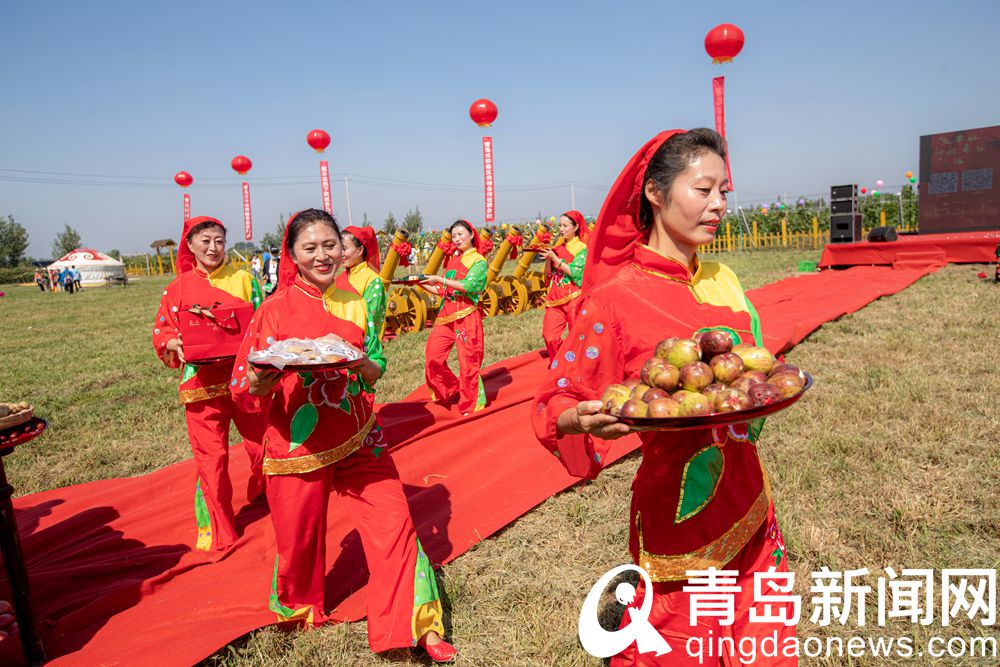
(115,580)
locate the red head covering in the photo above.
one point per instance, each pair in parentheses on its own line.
(581,224)
(185,258)
(612,241)
(475,234)
(366,236)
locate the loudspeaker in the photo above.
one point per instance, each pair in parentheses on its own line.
(843,192)
(842,206)
(882,234)
(845,228)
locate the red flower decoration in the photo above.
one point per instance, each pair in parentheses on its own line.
(544,238)
(485,246)
(328,389)
(448,247)
(982,274)
(403,250)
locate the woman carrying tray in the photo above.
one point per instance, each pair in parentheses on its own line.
(564,274)
(459,323)
(322,435)
(361,265)
(205,278)
(700,498)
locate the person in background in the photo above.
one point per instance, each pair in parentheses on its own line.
(66,278)
(271,271)
(564,274)
(205,277)
(255,266)
(76,278)
(459,323)
(40,280)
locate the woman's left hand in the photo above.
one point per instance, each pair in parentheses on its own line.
(262,383)
(370,372)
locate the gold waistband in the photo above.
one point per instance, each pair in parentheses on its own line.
(447,319)
(565,299)
(715,554)
(302,464)
(204,393)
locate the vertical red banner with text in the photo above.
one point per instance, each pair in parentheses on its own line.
(247,218)
(187,207)
(488,177)
(324,177)
(718,98)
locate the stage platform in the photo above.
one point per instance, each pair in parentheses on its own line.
(915,250)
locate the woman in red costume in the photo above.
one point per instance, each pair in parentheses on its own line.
(322,435)
(205,277)
(361,265)
(700,498)
(564,274)
(459,323)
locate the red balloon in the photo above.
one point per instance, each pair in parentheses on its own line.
(241,164)
(483,112)
(724,42)
(864,190)
(318,139)
(183,179)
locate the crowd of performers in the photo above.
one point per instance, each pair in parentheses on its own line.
(700,499)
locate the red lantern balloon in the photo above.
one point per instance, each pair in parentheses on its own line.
(483,112)
(183,179)
(318,139)
(241,164)
(724,42)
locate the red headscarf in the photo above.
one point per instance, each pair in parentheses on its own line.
(581,224)
(613,239)
(366,237)
(475,235)
(185,258)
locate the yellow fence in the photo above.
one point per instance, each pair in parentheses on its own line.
(728,239)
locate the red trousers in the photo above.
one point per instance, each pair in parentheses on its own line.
(372,494)
(208,430)
(556,320)
(466,335)
(700,644)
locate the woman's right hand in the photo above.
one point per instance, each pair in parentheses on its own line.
(587,417)
(262,383)
(175,346)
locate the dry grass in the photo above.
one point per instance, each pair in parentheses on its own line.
(891,461)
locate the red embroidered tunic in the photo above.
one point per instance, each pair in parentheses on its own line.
(317,418)
(698,496)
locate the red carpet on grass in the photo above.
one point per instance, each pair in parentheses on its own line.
(914,251)
(115,581)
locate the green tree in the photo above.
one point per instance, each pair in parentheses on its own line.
(13,242)
(66,241)
(273,239)
(413,223)
(114,253)
(390,225)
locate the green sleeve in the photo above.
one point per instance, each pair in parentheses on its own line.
(375,305)
(576,267)
(475,281)
(256,293)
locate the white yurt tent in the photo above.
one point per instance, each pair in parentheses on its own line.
(94,266)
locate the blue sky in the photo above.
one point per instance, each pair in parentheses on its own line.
(126,94)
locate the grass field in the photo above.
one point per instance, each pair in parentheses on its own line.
(892,460)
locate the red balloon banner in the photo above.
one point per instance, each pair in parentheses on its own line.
(318,140)
(724,42)
(241,164)
(483,112)
(183,179)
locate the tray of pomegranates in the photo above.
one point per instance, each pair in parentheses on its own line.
(705,381)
